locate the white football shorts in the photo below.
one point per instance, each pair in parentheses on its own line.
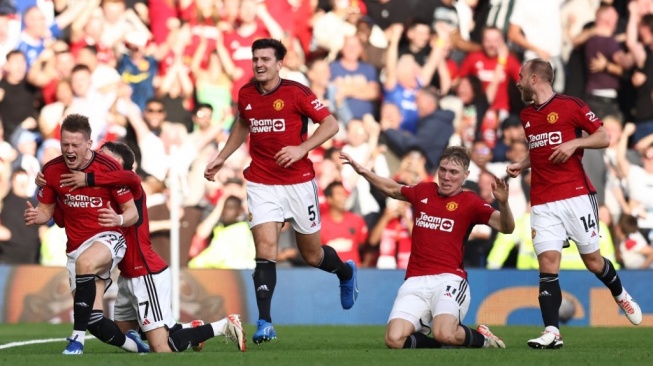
(112,239)
(296,203)
(424,297)
(147,299)
(573,218)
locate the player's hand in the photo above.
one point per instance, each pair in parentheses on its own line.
(629,129)
(213,168)
(74,180)
(30,215)
(514,169)
(289,155)
(108,217)
(40,179)
(500,189)
(563,152)
(346,159)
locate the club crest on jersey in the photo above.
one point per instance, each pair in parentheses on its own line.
(452,206)
(278,105)
(552,117)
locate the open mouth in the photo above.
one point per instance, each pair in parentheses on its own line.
(71,159)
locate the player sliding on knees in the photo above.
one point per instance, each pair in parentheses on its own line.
(436,288)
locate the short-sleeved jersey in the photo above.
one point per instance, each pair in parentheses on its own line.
(345,236)
(140,259)
(560,119)
(441,228)
(278,119)
(81,207)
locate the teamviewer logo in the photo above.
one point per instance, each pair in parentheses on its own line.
(278,125)
(555,138)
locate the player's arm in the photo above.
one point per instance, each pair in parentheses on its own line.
(501,220)
(514,169)
(385,185)
(116,178)
(237,137)
(38,215)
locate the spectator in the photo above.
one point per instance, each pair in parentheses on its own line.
(536,27)
(604,59)
(137,67)
(87,30)
(392,235)
(18,98)
(319,75)
(495,67)
(9,31)
(641,25)
(434,129)
(36,32)
(53,65)
(358,80)
(636,252)
(23,244)
(231,242)
(511,132)
(344,231)
(212,85)
(412,169)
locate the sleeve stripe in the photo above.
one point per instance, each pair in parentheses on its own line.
(108,162)
(577,100)
(56,160)
(305,89)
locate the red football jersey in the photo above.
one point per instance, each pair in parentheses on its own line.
(278,119)
(562,118)
(344,236)
(80,207)
(441,228)
(140,259)
(478,64)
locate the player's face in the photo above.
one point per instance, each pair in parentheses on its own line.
(75,148)
(450,177)
(525,85)
(265,65)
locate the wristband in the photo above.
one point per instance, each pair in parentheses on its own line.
(122,220)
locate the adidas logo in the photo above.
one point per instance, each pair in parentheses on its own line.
(313,224)
(593,234)
(425,201)
(82,304)
(262,288)
(528,124)
(249,107)
(146,322)
(545,293)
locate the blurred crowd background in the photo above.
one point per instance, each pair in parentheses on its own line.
(405,79)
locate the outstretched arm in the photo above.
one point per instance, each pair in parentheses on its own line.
(118,178)
(385,185)
(502,220)
(236,138)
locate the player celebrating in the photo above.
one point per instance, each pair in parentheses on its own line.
(281,187)
(436,285)
(144,291)
(96,244)
(563,198)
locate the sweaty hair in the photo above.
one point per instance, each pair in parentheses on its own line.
(541,68)
(277,46)
(80,67)
(628,224)
(77,123)
(456,154)
(328,191)
(122,150)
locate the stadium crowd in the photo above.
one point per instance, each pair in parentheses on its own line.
(404,78)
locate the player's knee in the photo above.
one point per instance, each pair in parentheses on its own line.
(394,341)
(444,336)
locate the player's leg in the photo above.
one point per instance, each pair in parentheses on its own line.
(585,233)
(449,305)
(230,327)
(409,312)
(303,205)
(266,217)
(549,237)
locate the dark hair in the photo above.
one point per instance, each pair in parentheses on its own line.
(328,191)
(91,48)
(77,123)
(235,199)
(17,171)
(628,224)
(279,49)
(80,67)
(541,68)
(15,52)
(122,150)
(456,154)
(154,100)
(203,105)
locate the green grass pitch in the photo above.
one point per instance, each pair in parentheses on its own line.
(339,346)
